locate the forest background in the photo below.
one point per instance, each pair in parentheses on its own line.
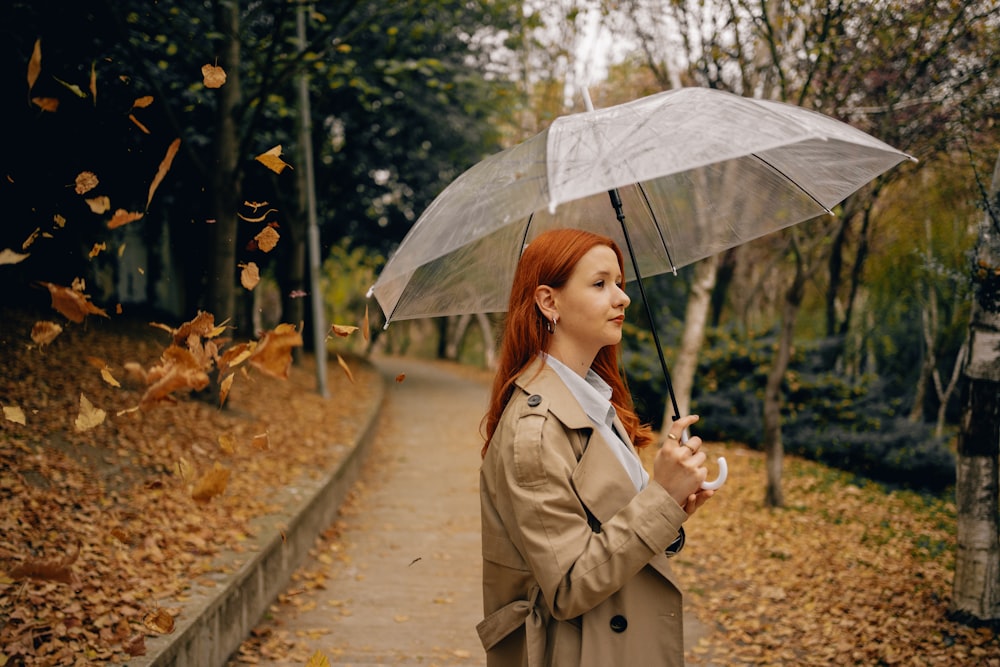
(171,158)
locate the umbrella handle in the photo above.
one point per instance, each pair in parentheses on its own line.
(723,469)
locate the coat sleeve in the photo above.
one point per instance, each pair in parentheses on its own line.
(576,567)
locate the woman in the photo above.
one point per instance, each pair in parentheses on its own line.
(576,534)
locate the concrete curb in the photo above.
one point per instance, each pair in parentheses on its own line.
(215,620)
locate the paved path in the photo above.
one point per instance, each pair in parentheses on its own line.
(398,579)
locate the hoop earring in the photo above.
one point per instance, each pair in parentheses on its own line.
(550,326)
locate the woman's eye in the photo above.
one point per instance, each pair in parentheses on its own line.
(599,283)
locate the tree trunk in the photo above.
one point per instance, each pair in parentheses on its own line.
(226,177)
(773,446)
(976,590)
(696,315)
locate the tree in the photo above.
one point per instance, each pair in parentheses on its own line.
(976,591)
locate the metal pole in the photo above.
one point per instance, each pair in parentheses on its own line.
(305,143)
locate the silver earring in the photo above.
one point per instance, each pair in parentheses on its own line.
(550,325)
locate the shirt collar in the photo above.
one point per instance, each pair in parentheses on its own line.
(593,393)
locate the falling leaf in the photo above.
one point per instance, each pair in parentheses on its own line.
(109,378)
(257,219)
(213,76)
(160,621)
(71,87)
(93,81)
(343,330)
(8,256)
(272,160)
(273,354)
(100,204)
(35,65)
(224,388)
(14,413)
(400,377)
(365,329)
(297,294)
(49,104)
(250,275)
(96,250)
(179,370)
(85,182)
(347,371)
(317,659)
(122,218)
(142,102)
(89,416)
(184,469)
(168,159)
(31,238)
(138,124)
(59,220)
(47,569)
(211,484)
(72,303)
(44,332)
(267,239)
(135,645)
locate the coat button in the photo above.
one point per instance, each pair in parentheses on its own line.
(619,623)
(534,400)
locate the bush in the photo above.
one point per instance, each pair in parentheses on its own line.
(854,424)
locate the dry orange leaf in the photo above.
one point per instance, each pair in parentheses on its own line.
(35,65)
(262,441)
(47,569)
(85,182)
(72,303)
(213,76)
(400,377)
(31,238)
(224,388)
(211,484)
(44,332)
(343,330)
(227,443)
(50,104)
(109,378)
(317,659)
(123,217)
(159,620)
(250,275)
(138,124)
(179,369)
(347,371)
(14,413)
(261,218)
(273,354)
(168,159)
(365,329)
(96,250)
(142,102)
(100,204)
(93,81)
(89,416)
(267,239)
(8,256)
(272,160)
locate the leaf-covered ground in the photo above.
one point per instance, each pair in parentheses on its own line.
(100,531)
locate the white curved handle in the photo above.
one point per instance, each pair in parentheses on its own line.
(721,479)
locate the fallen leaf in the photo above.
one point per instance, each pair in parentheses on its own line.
(227,443)
(224,388)
(160,621)
(343,330)
(267,238)
(14,413)
(262,441)
(85,182)
(272,160)
(8,256)
(49,104)
(44,332)
(136,645)
(168,160)
(250,275)
(211,484)
(213,76)
(317,659)
(99,205)
(400,377)
(109,378)
(47,569)
(273,353)
(347,371)
(96,250)
(142,102)
(365,329)
(89,416)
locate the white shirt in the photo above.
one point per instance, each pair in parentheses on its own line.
(594,396)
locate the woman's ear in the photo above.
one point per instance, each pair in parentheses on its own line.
(545,299)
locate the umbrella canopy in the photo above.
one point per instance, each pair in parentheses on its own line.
(698,171)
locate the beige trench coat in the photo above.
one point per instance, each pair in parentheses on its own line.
(575,568)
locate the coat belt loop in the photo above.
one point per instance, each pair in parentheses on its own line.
(511,616)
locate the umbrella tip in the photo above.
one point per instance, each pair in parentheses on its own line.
(586,100)
(371,291)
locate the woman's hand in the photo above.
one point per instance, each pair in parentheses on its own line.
(679,467)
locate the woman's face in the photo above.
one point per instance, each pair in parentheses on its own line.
(591,307)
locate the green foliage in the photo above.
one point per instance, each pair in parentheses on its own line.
(855,424)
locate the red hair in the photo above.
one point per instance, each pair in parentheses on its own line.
(549,260)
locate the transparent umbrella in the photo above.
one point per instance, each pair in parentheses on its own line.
(691,172)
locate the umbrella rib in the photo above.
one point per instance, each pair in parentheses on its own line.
(656,225)
(793,182)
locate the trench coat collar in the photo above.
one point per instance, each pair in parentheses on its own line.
(599,478)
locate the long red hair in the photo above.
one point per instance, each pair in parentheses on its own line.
(549,260)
